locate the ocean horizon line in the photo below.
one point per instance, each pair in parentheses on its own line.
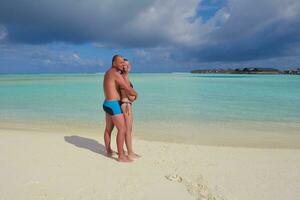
(88,73)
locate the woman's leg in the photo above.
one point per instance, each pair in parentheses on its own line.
(128,136)
(129,130)
(125,110)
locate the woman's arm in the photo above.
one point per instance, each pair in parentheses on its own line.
(130,97)
(124,85)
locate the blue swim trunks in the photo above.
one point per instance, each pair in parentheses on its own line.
(112,107)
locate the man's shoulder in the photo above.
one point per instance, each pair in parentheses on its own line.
(109,71)
(112,73)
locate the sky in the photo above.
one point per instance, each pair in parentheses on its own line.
(81,36)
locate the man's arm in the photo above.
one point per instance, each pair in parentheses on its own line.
(122,83)
(131,98)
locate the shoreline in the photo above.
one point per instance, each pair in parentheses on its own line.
(64,165)
(215,134)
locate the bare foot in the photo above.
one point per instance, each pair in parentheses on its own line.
(133,156)
(124,152)
(124,159)
(110,153)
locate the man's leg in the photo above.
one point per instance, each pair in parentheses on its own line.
(107,134)
(119,122)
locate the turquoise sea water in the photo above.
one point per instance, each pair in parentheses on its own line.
(175,107)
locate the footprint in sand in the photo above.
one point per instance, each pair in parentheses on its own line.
(174,177)
(199,190)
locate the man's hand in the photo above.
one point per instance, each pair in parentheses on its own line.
(123,85)
(132,98)
(136,96)
(126,110)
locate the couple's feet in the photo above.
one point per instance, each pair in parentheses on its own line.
(125,158)
(133,156)
(129,158)
(110,153)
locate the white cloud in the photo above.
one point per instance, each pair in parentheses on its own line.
(41,54)
(76,56)
(141,53)
(3,32)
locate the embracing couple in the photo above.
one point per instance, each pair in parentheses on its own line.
(119,96)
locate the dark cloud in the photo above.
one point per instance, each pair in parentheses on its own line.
(228,31)
(248,30)
(73,21)
(275,40)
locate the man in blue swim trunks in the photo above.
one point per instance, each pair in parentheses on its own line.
(112,84)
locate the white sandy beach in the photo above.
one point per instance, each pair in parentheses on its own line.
(39,165)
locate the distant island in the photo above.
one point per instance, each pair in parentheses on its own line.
(247,70)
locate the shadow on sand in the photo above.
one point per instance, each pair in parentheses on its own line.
(86,143)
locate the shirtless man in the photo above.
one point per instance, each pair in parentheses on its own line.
(112,84)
